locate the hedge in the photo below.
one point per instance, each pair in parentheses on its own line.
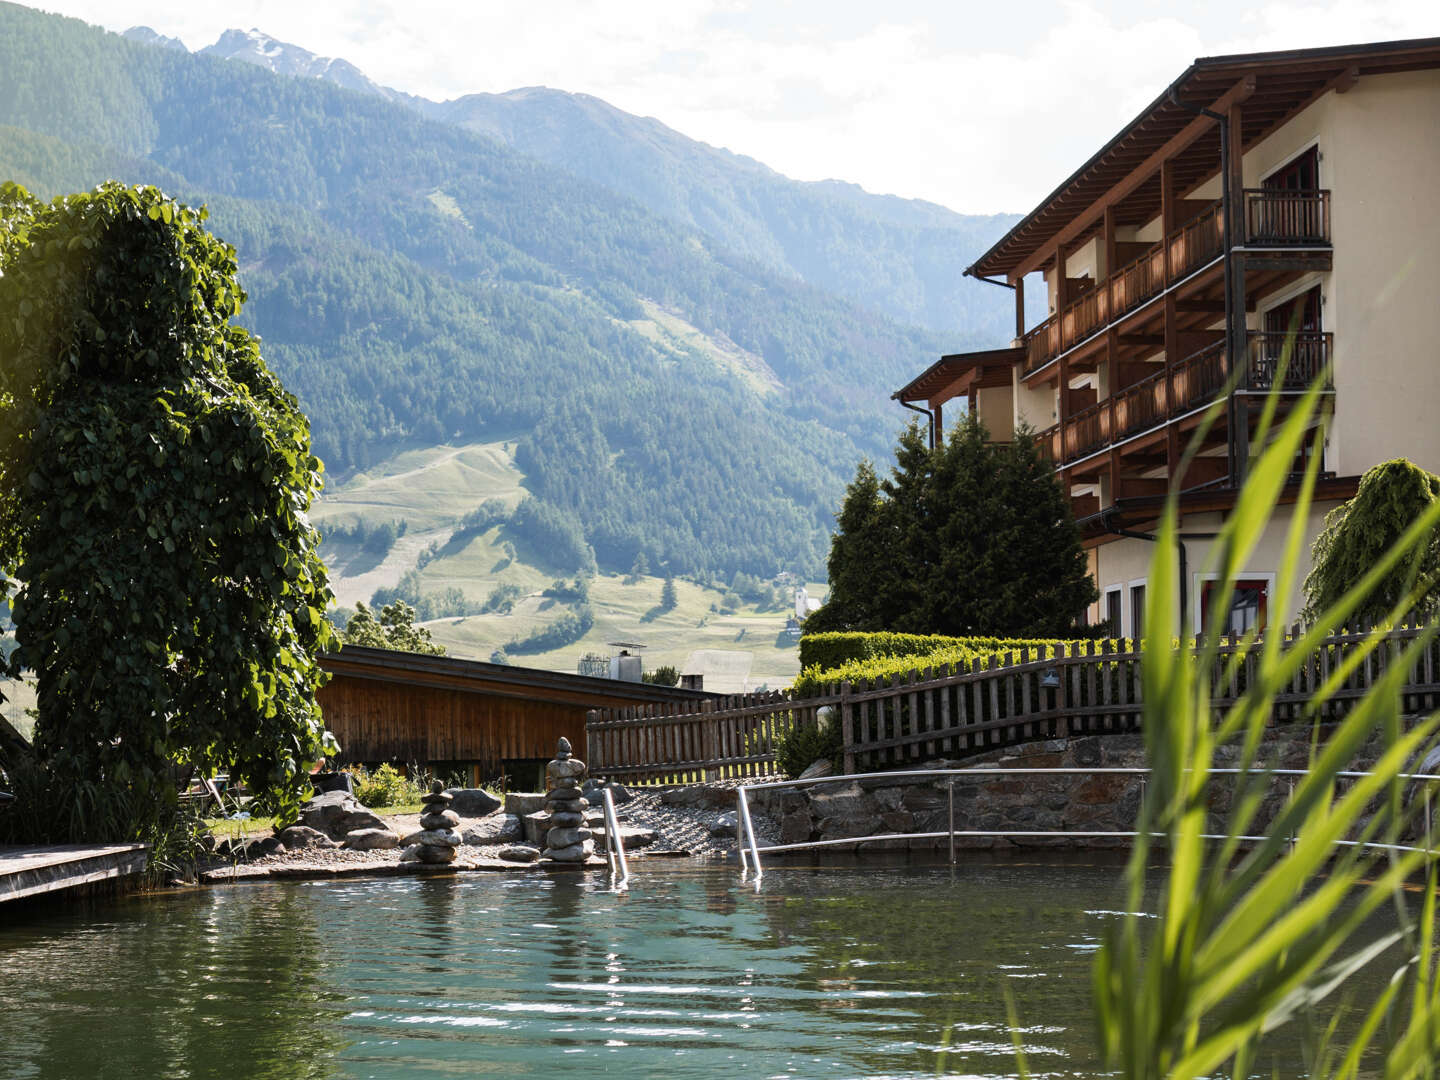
(946,655)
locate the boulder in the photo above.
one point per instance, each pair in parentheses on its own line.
(519,853)
(536,826)
(371,840)
(300,837)
(410,854)
(357,820)
(795,827)
(436,855)
(248,847)
(560,819)
(724,824)
(472,802)
(632,837)
(324,811)
(496,829)
(521,803)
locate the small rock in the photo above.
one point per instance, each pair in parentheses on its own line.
(445,819)
(472,802)
(817,769)
(436,855)
(519,853)
(436,838)
(496,829)
(564,838)
(300,837)
(371,840)
(572,853)
(411,854)
(564,820)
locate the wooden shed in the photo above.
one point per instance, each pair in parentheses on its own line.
(454,715)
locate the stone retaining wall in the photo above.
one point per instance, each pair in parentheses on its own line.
(1098,802)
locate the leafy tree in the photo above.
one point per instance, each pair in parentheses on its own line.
(1391,496)
(970,538)
(153,496)
(394,629)
(668,599)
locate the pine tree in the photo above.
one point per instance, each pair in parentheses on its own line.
(970,538)
(668,599)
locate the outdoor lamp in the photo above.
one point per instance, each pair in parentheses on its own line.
(1050,680)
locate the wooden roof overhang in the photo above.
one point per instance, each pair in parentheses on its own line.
(499,680)
(1144,511)
(961,373)
(1123,176)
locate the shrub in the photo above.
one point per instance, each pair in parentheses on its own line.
(662,676)
(386,786)
(801,745)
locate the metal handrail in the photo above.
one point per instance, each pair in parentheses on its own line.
(746,830)
(614,845)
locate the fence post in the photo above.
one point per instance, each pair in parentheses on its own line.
(592,740)
(847,728)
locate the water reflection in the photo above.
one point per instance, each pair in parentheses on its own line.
(827,972)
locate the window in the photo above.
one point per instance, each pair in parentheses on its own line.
(1113,611)
(1248,606)
(1137,611)
(1301,173)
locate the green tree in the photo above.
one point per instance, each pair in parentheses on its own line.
(638,569)
(1391,496)
(668,599)
(664,675)
(153,496)
(973,537)
(859,549)
(394,629)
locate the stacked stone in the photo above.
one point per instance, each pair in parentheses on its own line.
(568,840)
(437,840)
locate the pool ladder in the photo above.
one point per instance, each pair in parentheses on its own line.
(614,845)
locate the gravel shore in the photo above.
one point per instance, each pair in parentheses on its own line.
(688,822)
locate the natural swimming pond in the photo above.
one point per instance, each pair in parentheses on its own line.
(838,971)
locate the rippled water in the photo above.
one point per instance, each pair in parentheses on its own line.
(837,972)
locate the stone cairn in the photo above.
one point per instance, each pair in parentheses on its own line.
(568,840)
(437,841)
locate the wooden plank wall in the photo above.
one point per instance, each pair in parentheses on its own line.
(381,721)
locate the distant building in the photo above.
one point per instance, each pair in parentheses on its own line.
(804,603)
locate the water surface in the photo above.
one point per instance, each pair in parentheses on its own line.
(842,971)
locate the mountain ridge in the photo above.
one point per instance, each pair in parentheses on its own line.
(902,257)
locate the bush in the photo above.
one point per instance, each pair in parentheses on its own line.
(834,648)
(801,745)
(386,786)
(662,676)
(952,655)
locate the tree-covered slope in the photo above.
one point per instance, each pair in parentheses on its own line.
(414,281)
(903,257)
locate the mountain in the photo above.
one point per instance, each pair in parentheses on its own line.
(903,257)
(419,284)
(147,36)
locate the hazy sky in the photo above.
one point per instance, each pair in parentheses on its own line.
(980,106)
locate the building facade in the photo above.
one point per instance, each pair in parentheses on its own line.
(1265,210)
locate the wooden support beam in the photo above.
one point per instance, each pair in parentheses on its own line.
(1346,80)
(1200,307)
(1238,93)
(1140,339)
(1107,235)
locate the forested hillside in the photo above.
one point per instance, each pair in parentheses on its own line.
(417,283)
(903,257)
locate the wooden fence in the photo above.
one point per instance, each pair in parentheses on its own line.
(921,715)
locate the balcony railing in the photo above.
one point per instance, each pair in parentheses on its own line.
(1271,218)
(1287,217)
(1196,381)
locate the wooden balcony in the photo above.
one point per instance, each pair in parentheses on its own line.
(1273,362)
(1272,219)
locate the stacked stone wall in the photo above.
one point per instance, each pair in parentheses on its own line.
(1064,803)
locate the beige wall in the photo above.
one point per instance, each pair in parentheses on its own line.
(996,411)
(1127,560)
(1034,405)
